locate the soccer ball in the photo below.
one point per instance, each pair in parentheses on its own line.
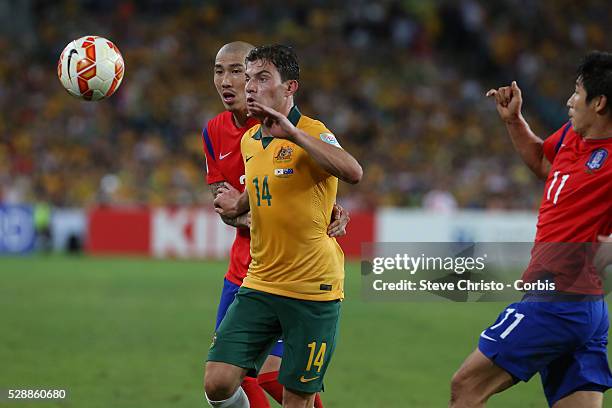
(91,68)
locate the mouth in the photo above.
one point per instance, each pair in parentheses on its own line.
(228,97)
(250,100)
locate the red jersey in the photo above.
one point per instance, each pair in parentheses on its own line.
(576,208)
(221,138)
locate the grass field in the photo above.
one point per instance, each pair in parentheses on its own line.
(134,333)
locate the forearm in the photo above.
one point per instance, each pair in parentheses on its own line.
(240,221)
(241,218)
(332,159)
(242,205)
(529,146)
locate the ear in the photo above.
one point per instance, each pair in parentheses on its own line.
(291,87)
(601,104)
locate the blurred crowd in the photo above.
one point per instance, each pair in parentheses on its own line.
(401,84)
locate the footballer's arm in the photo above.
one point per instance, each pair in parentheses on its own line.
(230,203)
(239,221)
(333,159)
(530,147)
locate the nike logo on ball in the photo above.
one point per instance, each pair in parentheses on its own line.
(72,51)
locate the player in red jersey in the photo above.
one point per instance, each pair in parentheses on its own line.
(225,172)
(561,334)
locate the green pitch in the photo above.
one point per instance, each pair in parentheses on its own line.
(134,333)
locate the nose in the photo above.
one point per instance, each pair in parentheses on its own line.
(225,82)
(249,87)
(570,101)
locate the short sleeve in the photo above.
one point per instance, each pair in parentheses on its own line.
(552,144)
(213,174)
(319,131)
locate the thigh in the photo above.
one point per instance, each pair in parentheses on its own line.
(278,349)
(479,377)
(310,331)
(528,336)
(248,331)
(228,293)
(582,399)
(584,373)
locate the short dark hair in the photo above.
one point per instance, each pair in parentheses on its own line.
(283,57)
(595,74)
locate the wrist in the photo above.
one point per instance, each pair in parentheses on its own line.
(295,136)
(515,120)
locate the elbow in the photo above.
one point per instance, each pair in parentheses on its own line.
(355,175)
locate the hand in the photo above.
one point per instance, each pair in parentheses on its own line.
(340,219)
(226,200)
(603,257)
(509,101)
(274,123)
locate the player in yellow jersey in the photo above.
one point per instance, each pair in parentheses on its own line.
(295,280)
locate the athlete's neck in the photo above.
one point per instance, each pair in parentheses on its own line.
(240,118)
(285,108)
(599,130)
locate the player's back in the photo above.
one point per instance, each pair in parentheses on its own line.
(291,199)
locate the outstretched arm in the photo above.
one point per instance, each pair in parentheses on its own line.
(240,220)
(332,159)
(529,146)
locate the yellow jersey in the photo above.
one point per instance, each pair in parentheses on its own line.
(291,199)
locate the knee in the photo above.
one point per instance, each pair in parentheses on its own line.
(461,391)
(218,387)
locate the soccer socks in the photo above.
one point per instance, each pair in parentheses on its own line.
(269,382)
(255,394)
(317,402)
(238,400)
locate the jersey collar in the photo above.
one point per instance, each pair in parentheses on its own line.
(294,117)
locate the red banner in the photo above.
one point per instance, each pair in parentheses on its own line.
(185,233)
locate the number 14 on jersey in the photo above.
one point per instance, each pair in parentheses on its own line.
(264,193)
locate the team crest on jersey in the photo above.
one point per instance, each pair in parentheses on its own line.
(283,154)
(597,159)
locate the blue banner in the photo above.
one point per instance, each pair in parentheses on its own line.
(17,232)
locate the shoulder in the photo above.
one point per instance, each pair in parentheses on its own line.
(309,124)
(248,135)
(317,129)
(219,122)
